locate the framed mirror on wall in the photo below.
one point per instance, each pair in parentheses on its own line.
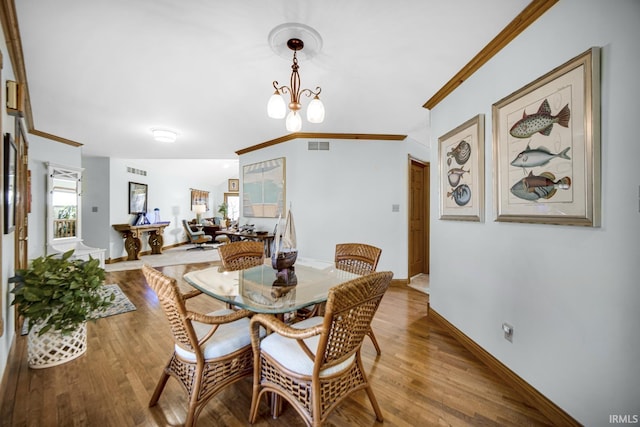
(9,182)
(64,206)
(64,213)
(137,198)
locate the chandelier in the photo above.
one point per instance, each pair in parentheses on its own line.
(276,108)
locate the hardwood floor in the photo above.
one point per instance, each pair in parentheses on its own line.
(423,377)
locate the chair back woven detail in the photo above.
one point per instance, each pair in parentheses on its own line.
(357,258)
(166,288)
(349,311)
(337,364)
(241,255)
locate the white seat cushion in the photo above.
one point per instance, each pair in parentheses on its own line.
(288,353)
(227,339)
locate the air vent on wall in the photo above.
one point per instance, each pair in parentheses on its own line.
(136,171)
(318,145)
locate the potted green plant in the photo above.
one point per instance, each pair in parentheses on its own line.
(57,295)
(223,208)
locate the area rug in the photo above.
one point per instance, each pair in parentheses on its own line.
(119,305)
(173,256)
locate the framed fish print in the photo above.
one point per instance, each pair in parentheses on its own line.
(546,147)
(461,171)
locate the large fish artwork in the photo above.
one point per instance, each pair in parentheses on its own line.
(537,157)
(541,122)
(534,187)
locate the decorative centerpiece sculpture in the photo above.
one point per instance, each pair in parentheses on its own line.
(285,253)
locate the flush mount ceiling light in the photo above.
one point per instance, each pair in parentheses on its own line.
(276,107)
(164,135)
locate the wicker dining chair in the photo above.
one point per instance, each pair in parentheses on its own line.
(242,254)
(211,351)
(316,363)
(358,258)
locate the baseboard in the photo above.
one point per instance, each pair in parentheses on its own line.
(536,399)
(124,258)
(399,282)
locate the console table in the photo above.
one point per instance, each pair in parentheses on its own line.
(132,234)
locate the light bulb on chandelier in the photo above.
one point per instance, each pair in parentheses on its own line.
(276,107)
(293,122)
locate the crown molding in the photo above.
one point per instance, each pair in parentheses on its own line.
(530,14)
(308,135)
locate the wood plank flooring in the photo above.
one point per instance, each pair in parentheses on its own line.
(423,377)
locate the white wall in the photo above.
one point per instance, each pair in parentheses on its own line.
(169,182)
(95,202)
(42,150)
(571,293)
(346,195)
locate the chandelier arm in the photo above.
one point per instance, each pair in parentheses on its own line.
(282,89)
(309,93)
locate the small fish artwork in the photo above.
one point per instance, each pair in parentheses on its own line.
(538,157)
(541,122)
(543,186)
(454,175)
(461,194)
(461,153)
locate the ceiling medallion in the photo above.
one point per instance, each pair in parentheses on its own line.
(276,107)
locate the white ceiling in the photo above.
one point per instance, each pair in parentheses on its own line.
(104,72)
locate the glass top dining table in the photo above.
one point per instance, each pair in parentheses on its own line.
(261,290)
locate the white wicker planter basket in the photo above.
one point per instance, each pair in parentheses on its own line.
(53,348)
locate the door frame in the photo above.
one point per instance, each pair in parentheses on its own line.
(425,214)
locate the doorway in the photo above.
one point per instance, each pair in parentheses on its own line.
(233,205)
(419,195)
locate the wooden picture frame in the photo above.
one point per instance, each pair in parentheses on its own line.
(137,198)
(546,147)
(234,185)
(10,163)
(461,171)
(263,189)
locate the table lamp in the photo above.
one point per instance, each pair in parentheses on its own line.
(199,210)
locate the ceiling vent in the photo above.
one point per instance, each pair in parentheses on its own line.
(318,145)
(136,171)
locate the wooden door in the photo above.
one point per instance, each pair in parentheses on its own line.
(418,218)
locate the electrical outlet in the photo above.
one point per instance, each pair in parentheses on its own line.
(508,332)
